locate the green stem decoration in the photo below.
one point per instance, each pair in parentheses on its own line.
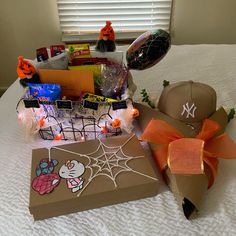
(231,114)
(165,83)
(145,98)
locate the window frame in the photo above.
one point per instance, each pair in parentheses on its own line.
(121,37)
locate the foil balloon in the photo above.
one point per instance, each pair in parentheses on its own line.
(148,49)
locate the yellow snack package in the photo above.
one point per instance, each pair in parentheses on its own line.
(79,50)
(96,98)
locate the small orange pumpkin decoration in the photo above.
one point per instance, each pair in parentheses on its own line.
(41,122)
(135,112)
(58,137)
(104,130)
(25,69)
(116,123)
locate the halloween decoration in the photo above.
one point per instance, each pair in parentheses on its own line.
(106,42)
(135,112)
(26,72)
(116,123)
(148,49)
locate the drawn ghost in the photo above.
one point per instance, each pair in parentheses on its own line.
(72,172)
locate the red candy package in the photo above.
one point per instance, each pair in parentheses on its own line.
(56,50)
(42,54)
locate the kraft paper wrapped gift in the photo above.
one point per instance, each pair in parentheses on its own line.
(96,173)
(186,135)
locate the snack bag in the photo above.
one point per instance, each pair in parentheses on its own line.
(96,98)
(41,54)
(79,51)
(45,92)
(56,50)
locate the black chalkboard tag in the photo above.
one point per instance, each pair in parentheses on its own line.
(90,105)
(64,104)
(31,103)
(119,105)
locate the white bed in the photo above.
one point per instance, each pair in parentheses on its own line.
(160,215)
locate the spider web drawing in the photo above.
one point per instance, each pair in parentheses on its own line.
(106,162)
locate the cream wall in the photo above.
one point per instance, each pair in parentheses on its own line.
(203,21)
(29,24)
(25,25)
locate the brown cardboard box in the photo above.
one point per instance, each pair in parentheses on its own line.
(72,82)
(122,175)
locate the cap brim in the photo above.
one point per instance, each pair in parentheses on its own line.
(188,130)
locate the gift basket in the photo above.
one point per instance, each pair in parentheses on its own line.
(74,96)
(75,93)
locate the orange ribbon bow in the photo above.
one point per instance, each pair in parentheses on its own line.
(188,155)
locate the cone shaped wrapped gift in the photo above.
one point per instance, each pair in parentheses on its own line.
(187,152)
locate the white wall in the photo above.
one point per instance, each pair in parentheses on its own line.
(25,25)
(203,21)
(29,24)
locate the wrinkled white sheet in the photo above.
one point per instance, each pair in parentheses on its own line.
(160,215)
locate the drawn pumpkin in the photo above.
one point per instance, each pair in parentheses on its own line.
(116,123)
(25,69)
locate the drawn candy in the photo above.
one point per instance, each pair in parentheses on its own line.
(45,183)
(46,166)
(148,49)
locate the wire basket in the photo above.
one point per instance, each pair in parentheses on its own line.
(76,120)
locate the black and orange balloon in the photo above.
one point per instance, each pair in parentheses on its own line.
(148,49)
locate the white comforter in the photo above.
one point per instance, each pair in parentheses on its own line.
(160,215)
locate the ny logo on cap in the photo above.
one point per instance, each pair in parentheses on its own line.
(189,110)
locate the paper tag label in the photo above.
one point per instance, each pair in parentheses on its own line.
(119,105)
(31,103)
(90,105)
(64,104)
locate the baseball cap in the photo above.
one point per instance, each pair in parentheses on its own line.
(188,101)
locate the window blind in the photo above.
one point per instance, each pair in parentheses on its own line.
(89,16)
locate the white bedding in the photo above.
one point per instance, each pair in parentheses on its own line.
(160,215)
